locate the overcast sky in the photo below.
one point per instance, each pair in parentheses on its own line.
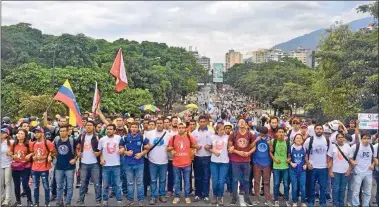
(213,27)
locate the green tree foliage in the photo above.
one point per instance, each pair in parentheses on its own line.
(157,74)
(372,9)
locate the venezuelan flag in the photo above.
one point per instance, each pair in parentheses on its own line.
(66,96)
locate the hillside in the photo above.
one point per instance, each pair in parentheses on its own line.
(311,40)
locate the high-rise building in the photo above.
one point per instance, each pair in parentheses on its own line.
(205,62)
(258,56)
(304,55)
(231,58)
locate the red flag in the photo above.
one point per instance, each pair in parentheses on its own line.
(96,100)
(118,71)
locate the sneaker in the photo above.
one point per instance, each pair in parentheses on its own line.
(214,200)
(53,198)
(105,203)
(129,203)
(262,193)
(256,203)
(169,194)
(328,198)
(276,203)
(317,197)
(220,201)
(80,203)
(206,200)
(349,204)
(36,205)
(29,204)
(196,199)
(119,203)
(303,205)
(248,201)
(163,199)
(233,202)
(47,205)
(141,204)
(269,203)
(98,203)
(188,200)
(294,205)
(176,200)
(68,204)
(17,204)
(152,201)
(288,204)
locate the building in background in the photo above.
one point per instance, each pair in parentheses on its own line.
(304,55)
(202,60)
(231,58)
(218,70)
(265,55)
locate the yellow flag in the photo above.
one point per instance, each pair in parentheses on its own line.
(72,119)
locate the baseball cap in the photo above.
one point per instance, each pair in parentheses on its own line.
(303,124)
(38,128)
(5,130)
(220,121)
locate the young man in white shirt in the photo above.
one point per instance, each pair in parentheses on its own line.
(110,160)
(316,159)
(363,160)
(158,160)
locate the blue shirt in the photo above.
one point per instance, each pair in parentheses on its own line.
(135,144)
(261,156)
(65,154)
(298,157)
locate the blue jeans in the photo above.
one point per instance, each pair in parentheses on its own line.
(61,176)
(280,175)
(241,173)
(296,179)
(134,175)
(88,171)
(320,176)
(339,183)
(112,173)
(218,172)
(364,178)
(229,179)
(157,172)
(202,178)
(44,176)
(178,171)
(123,176)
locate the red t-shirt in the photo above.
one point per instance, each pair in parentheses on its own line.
(182,147)
(241,143)
(21,151)
(39,148)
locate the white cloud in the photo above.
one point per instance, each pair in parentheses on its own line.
(212,27)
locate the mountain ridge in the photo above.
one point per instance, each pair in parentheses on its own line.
(311,40)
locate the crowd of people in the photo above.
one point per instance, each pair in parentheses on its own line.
(122,155)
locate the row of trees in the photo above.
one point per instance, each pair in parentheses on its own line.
(344,83)
(157,74)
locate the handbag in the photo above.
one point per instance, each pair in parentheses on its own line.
(17,166)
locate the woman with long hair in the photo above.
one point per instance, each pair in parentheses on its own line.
(21,166)
(6,172)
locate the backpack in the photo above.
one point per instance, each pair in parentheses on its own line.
(311,143)
(357,149)
(70,139)
(287,143)
(47,149)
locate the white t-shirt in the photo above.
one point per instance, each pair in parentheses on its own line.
(311,130)
(171,134)
(340,165)
(317,156)
(88,157)
(202,139)
(159,154)
(110,150)
(5,160)
(219,144)
(364,157)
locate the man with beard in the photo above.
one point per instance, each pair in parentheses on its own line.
(274,122)
(317,148)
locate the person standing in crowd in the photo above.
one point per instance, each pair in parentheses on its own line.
(317,148)
(68,152)
(202,161)
(21,166)
(240,146)
(297,170)
(218,146)
(279,151)
(43,150)
(262,165)
(170,173)
(90,167)
(109,147)
(158,159)
(180,147)
(6,171)
(131,146)
(339,170)
(363,160)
